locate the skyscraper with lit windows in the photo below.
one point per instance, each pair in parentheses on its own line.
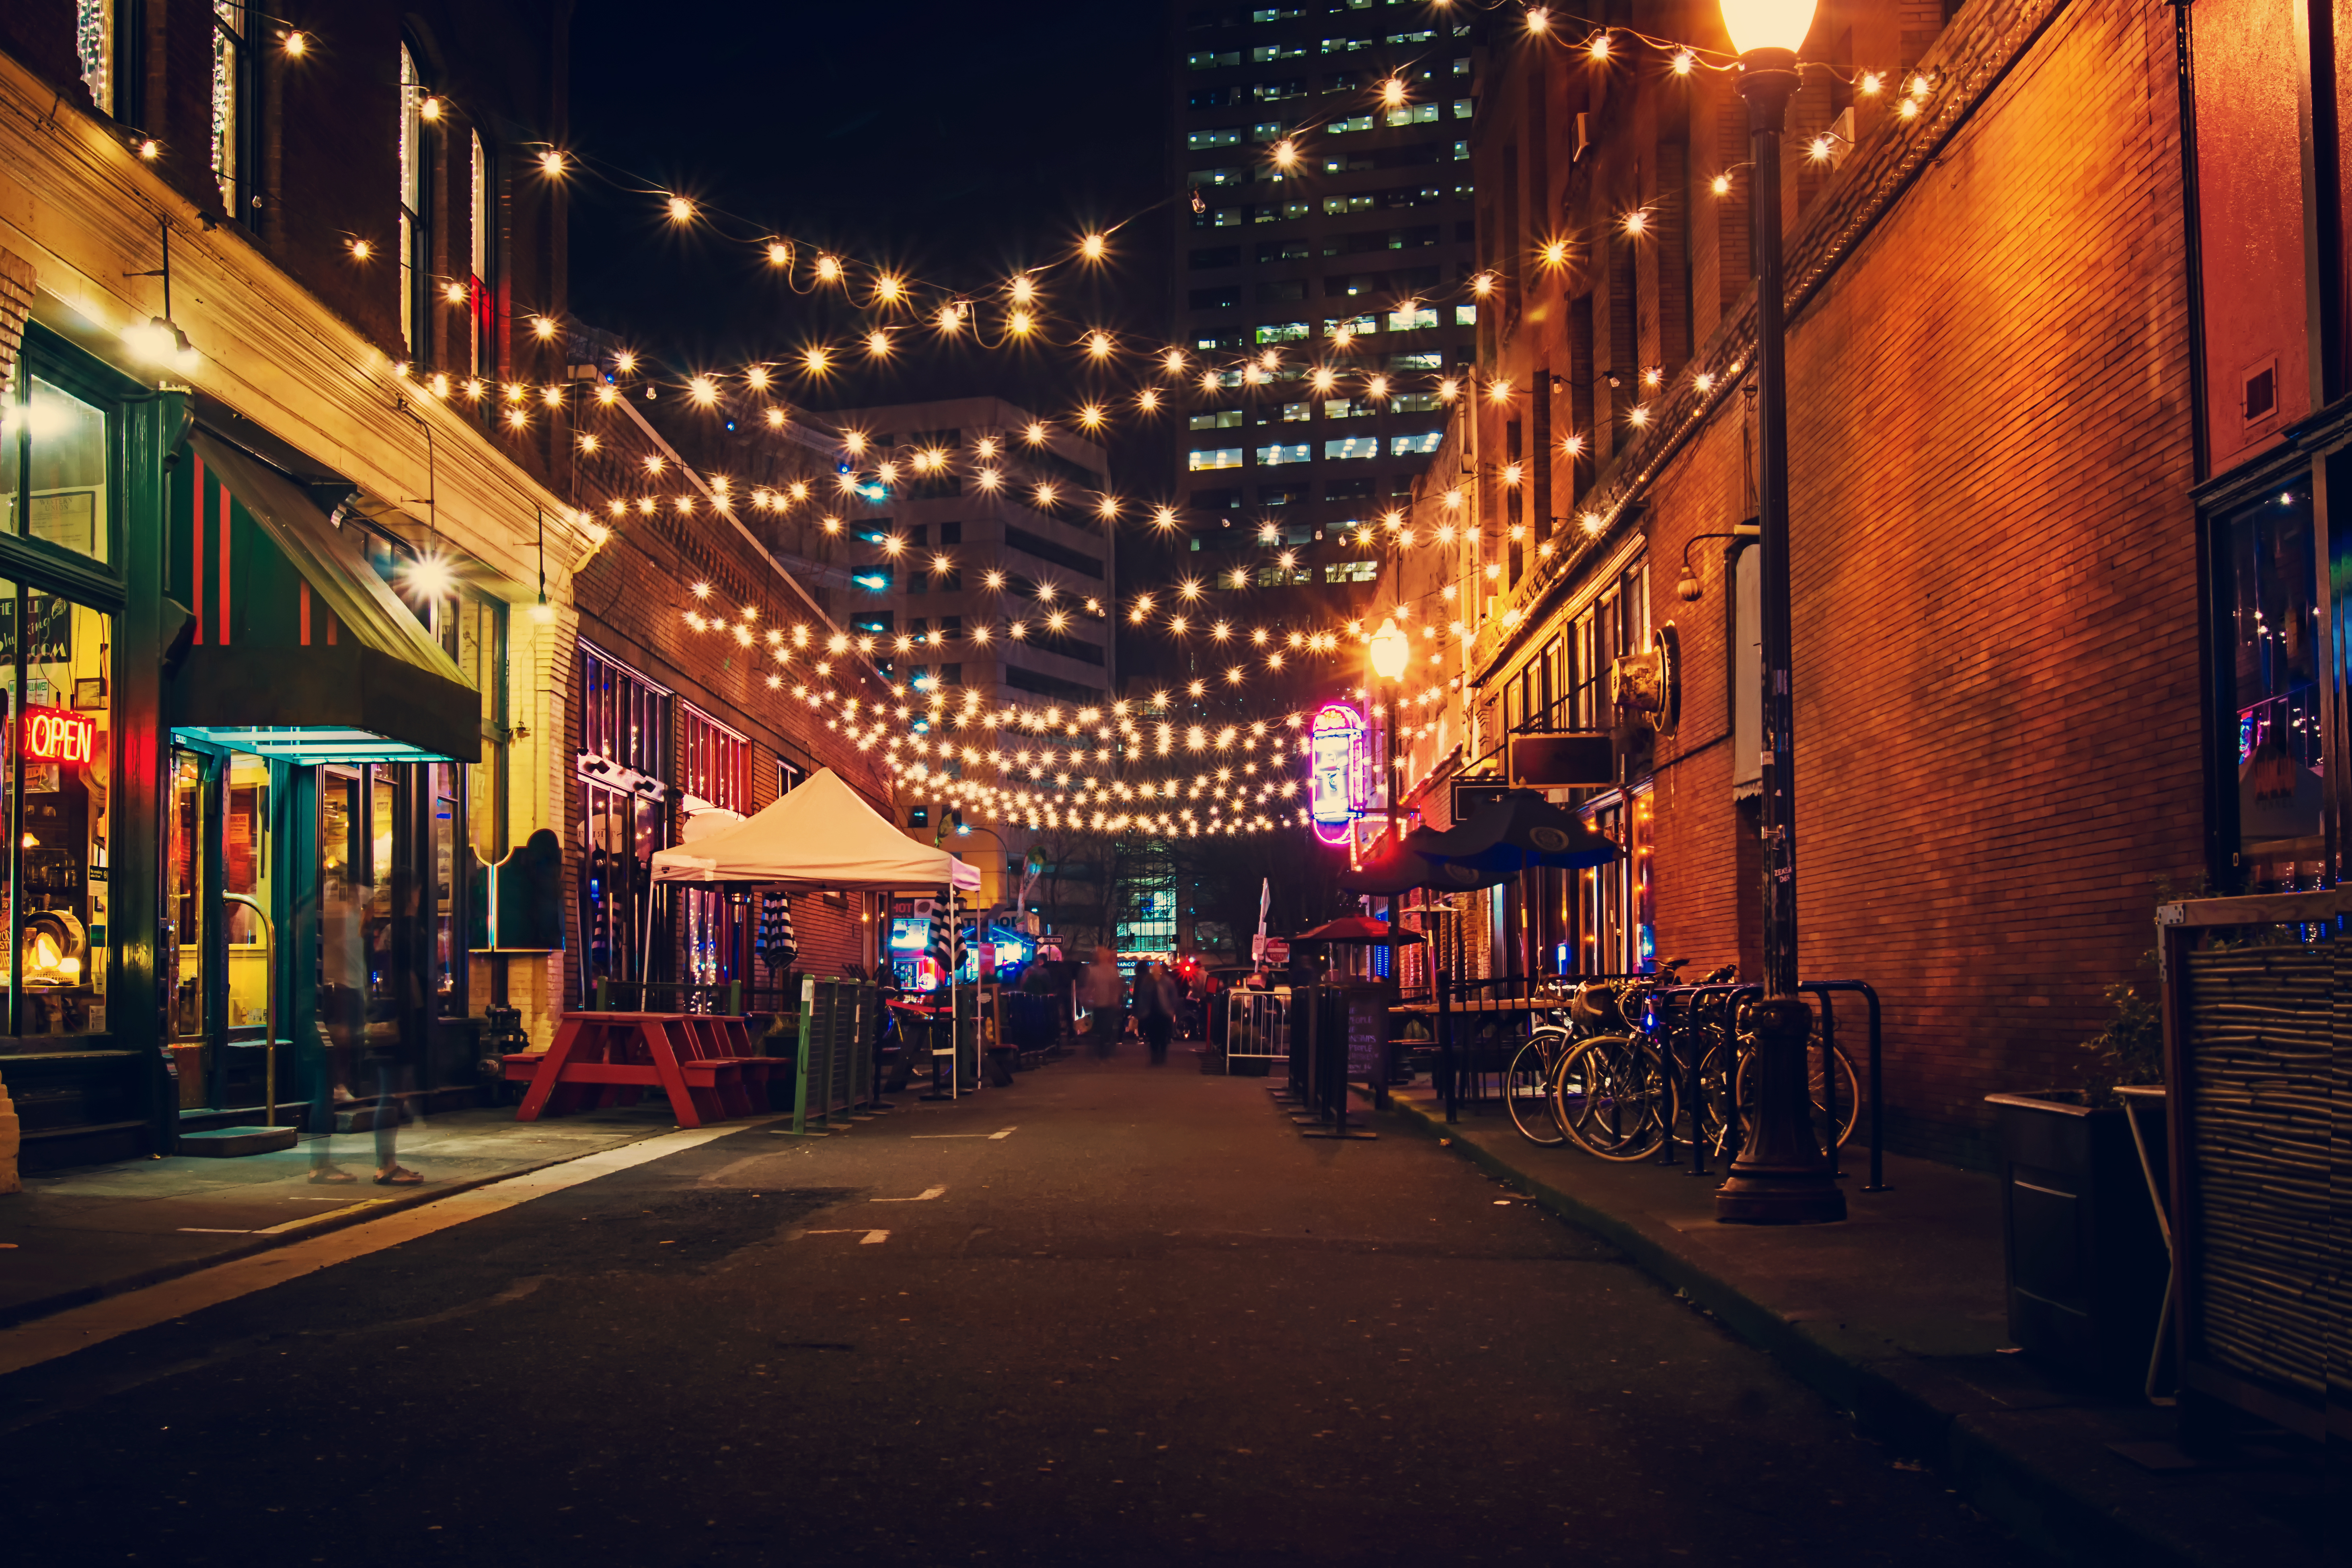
(1323,148)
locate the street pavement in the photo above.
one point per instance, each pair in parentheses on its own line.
(1115,1315)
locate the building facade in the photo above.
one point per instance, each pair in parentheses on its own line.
(1328,222)
(311,624)
(2047,673)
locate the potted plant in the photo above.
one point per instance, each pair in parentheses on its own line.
(2085,1260)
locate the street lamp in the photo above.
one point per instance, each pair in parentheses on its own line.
(1391,651)
(1780,1177)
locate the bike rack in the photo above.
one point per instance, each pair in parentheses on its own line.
(1685,1056)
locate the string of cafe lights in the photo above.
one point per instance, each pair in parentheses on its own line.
(1253,371)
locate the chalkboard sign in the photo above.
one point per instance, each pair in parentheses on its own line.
(1368,1031)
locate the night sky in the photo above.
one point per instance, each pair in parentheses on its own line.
(955,141)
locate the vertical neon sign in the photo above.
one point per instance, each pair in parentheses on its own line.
(1335,779)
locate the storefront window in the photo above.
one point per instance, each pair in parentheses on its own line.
(624,759)
(448,953)
(345,888)
(183,948)
(2273,641)
(714,771)
(59,442)
(1603,891)
(246,882)
(61,753)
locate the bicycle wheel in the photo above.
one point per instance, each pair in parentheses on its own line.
(1527,1088)
(1849,1099)
(1614,1096)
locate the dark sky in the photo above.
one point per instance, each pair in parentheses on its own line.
(955,141)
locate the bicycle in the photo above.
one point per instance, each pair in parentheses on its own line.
(1720,1090)
(1617,1094)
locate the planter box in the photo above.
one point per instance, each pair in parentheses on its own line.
(2085,1260)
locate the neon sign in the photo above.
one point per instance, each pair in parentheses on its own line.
(59,735)
(1335,779)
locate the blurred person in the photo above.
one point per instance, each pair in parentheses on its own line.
(1105,999)
(1155,1008)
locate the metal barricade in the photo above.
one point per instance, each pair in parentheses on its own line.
(833,1071)
(1257,1025)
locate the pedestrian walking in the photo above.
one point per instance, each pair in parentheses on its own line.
(1155,1008)
(1105,1001)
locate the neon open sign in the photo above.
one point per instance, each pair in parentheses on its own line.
(59,735)
(1335,780)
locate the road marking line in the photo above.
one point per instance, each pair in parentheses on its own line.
(924,1197)
(216,1230)
(62,1333)
(1005,1134)
(872,1236)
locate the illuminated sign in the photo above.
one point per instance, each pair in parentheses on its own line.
(1335,779)
(59,735)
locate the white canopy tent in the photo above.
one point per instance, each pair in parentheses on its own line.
(820,838)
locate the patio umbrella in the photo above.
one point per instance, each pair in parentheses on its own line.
(1521,832)
(1405,870)
(1355,928)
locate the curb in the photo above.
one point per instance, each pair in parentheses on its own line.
(1991,1475)
(359,1212)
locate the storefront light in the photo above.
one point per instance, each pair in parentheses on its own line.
(159,342)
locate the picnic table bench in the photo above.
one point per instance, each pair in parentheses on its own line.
(704,1062)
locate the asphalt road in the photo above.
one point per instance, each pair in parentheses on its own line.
(1149,1324)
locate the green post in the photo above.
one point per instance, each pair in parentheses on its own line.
(151,427)
(801,1057)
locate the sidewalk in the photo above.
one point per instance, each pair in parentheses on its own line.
(80,1234)
(1897,1315)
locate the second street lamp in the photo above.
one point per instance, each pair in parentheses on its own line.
(1391,651)
(1781,1176)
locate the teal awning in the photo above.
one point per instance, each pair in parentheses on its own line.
(299,651)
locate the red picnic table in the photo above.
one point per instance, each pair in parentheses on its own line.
(703,1062)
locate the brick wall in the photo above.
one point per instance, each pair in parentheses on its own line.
(1996,619)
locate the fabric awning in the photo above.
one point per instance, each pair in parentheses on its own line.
(821,836)
(300,650)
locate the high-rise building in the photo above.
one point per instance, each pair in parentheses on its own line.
(965,586)
(1324,148)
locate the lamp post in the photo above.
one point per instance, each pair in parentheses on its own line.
(1391,655)
(1781,1176)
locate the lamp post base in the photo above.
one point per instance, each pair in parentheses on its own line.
(1780,1178)
(1778,1197)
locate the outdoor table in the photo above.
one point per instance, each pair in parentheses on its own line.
(596,1055)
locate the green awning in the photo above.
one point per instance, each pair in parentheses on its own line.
(300,650)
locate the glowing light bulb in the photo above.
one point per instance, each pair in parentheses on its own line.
(681,210)
(361,250)
(1554,253)
(1286,153)
(297,44)
(828,270)
(1682,62)
(1499,391)
(888,289)
(878,343)
(1098,345)
(818,360)
(1539,20)
(1392,92)
(1093,247)
(1599,47)
(1720,184)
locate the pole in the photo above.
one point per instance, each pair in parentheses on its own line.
(1780,1177)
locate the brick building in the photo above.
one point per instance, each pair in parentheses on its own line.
(2008,724)
(313,603)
